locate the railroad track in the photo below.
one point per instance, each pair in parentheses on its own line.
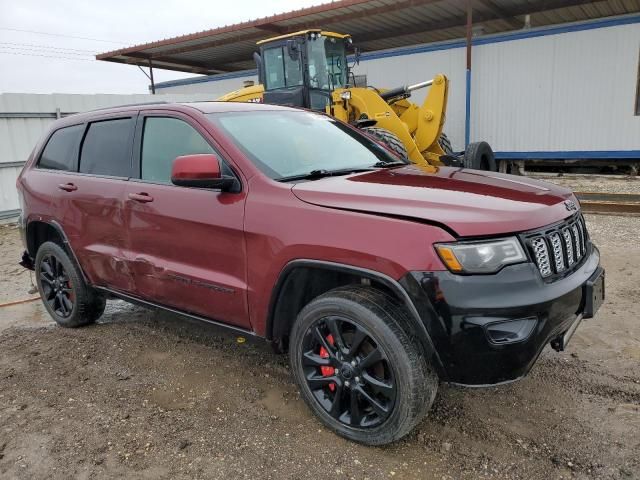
(609,203)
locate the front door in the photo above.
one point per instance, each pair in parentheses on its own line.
(187,244)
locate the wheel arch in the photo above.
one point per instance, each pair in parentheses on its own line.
(39,231)
(300,281)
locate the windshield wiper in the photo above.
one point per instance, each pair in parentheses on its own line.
(391,163)
(322,173)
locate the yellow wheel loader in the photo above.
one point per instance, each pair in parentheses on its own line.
(309,69)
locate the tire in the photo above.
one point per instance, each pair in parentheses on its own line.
(445,145)
(389,139)
(405,384)
(58,277)
(479,156)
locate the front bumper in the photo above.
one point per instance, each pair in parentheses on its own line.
(490,329)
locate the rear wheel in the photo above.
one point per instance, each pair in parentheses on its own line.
(389,139)
(480,156)
(357,368)
(65,295)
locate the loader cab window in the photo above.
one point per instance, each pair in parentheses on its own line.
(281,71)
(327,62)
(327,68)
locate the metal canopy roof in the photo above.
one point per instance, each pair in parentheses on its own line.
(373,24)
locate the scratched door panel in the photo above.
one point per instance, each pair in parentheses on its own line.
(94,223)
(187,249)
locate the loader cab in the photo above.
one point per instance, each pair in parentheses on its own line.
(303,68)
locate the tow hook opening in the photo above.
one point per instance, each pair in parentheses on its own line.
(557,344)
(560,342)
(27,261)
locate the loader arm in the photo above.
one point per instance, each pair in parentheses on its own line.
(425,122)
(367,103)
(418,127)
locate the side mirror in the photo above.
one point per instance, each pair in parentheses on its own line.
(258,59)
(201,170)
(292,49)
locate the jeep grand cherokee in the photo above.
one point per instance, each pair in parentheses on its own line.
(379,277)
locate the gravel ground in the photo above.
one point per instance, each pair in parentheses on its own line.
(148,395)
(593,183)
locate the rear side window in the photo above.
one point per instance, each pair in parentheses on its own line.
(106,149)
(61,152)
(163,140)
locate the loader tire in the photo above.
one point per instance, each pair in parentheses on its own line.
(389,139)
(445,145)
(479,156)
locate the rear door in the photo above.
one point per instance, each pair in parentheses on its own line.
(50,184)
(187,244)
(93,218)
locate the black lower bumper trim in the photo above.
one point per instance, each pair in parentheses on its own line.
(461,314)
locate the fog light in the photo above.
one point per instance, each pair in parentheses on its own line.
(510,331)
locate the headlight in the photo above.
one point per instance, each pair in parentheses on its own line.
(481,257)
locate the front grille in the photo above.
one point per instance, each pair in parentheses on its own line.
(559,249)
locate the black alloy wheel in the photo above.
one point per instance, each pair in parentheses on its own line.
(57,288)
(357,368)
(348,372)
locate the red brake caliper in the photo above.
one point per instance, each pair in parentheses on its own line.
(327,371)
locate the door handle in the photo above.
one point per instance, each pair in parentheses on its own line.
(141,197)
(67,187)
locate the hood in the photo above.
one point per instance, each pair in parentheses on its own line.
(469,202)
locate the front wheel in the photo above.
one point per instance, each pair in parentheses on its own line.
(388,139)
(357,368)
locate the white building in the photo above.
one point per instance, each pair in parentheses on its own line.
(568,91)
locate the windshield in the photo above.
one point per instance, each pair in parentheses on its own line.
(291,143)
(327,62)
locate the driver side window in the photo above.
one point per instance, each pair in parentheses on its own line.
(163,140)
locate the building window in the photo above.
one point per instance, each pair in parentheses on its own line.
(638,87)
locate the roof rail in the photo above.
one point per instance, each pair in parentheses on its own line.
(160,102)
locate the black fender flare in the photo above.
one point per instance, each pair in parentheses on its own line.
(65,243)
(416,328)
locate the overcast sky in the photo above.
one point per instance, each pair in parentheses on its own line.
(53,61)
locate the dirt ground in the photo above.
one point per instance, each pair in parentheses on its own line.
(148,395)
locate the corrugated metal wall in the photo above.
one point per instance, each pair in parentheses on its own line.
(566,90)
(224,84)
(18,136)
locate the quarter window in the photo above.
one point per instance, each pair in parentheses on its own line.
(163,140)
(61,152)
(106,149)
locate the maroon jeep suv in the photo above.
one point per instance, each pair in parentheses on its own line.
(381,278)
